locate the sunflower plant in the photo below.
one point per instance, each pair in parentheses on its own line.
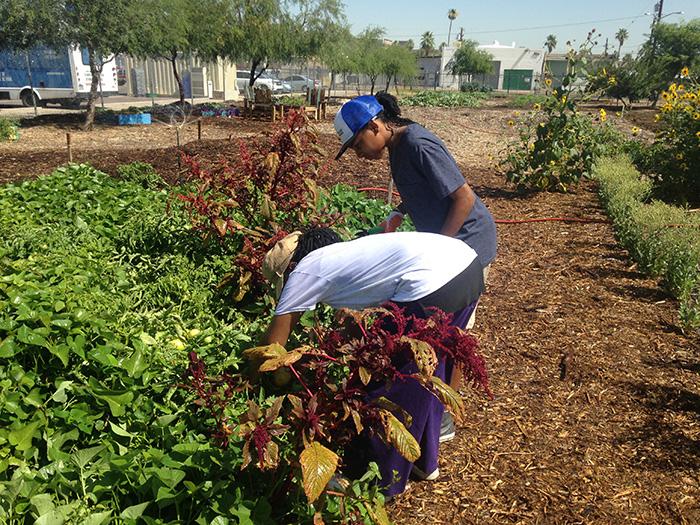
(557,145)
(677,144)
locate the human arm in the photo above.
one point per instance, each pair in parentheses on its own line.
(463,199)
(280,328)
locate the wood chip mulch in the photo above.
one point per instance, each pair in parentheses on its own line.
(596,415)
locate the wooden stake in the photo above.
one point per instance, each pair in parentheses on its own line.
(199,130)
(70,151)
(177,140)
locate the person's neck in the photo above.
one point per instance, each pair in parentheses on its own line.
(395,136)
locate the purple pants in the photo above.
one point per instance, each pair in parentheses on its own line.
(426,411)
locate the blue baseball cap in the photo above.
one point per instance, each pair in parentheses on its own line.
(353,116)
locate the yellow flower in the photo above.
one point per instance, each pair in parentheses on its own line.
(517,113)
(552,163)
(612,81)
(511,123)
(657,117)
(536,107)
(681,87)
(603,115)
(548,81)
(635,131)
(679,156)
(698,135)
(618,114)
(684,72)
(563,99)
(672,87)
(696,116)
(531,147)
(684,166)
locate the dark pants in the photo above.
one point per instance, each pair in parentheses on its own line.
(459,296)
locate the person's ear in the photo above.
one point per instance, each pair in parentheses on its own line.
(373,126)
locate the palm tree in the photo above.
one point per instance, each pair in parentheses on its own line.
(550,43)
(451,14)
(621,36)
(427,42)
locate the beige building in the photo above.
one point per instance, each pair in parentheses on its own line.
(141,77)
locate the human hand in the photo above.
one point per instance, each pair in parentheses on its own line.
(392,221)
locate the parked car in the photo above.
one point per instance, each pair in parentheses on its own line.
(274,84)
(300,82)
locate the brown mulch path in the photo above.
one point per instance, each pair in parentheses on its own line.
(596,415)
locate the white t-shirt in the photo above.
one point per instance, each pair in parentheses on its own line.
(372,270)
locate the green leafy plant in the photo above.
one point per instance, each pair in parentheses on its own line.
(663,239)
(444,99)
(141,173)
(9,130)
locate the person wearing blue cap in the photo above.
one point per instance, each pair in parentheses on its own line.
(433,190)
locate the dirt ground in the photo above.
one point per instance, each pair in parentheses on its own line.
(596,416)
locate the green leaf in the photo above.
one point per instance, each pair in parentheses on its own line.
(53,517)
(170,476)
(61,351)
(117,400)
(97,518)
(43,503)
(135,511)
(135,364)
(82,457)
(398,436)
(60,394)
(147,339)
(27,336)
(318,464)
(120,431)
(22,437)
(8,347)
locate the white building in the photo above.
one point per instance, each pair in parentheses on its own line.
(514,68)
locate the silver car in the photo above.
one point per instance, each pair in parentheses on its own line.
(300,82)
(274,84)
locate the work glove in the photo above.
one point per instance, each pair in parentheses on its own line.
(392,221)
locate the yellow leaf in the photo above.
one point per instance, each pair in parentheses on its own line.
(243,286)
(272,162)
(318,464)
(378,513)
(365,376)
(398,436)
(278,362)
(423,354)
(265,352)
(451,399)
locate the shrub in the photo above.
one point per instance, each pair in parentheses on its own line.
(475,87)
(663,239)
(9,130)
(527,101)
(444,99)
(141,173)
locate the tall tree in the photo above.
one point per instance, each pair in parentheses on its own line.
(669,48)
(103,28)
(280,30)
(398,62)
(427,43)
(621,36)
(370,54)
(468,60)
(451,14)
(172,29)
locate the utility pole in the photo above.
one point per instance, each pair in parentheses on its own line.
(461,34)
(660,6)
(606,46)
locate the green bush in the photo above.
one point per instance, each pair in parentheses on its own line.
(444,99)
(526,101)
(141,173)
(663,239)
(475,87)
(9,130)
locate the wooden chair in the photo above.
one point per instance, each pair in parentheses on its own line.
(259,98)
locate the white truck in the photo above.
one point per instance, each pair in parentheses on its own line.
(52,76)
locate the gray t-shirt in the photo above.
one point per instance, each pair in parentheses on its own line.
(425,175)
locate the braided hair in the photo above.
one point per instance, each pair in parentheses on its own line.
(311,240)
(391,112)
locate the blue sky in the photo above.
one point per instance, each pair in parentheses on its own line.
(526,22)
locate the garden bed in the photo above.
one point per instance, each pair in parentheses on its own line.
(597,390)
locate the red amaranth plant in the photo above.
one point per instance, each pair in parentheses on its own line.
(270,185)
(328,402)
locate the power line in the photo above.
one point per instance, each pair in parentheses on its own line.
(532,28)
